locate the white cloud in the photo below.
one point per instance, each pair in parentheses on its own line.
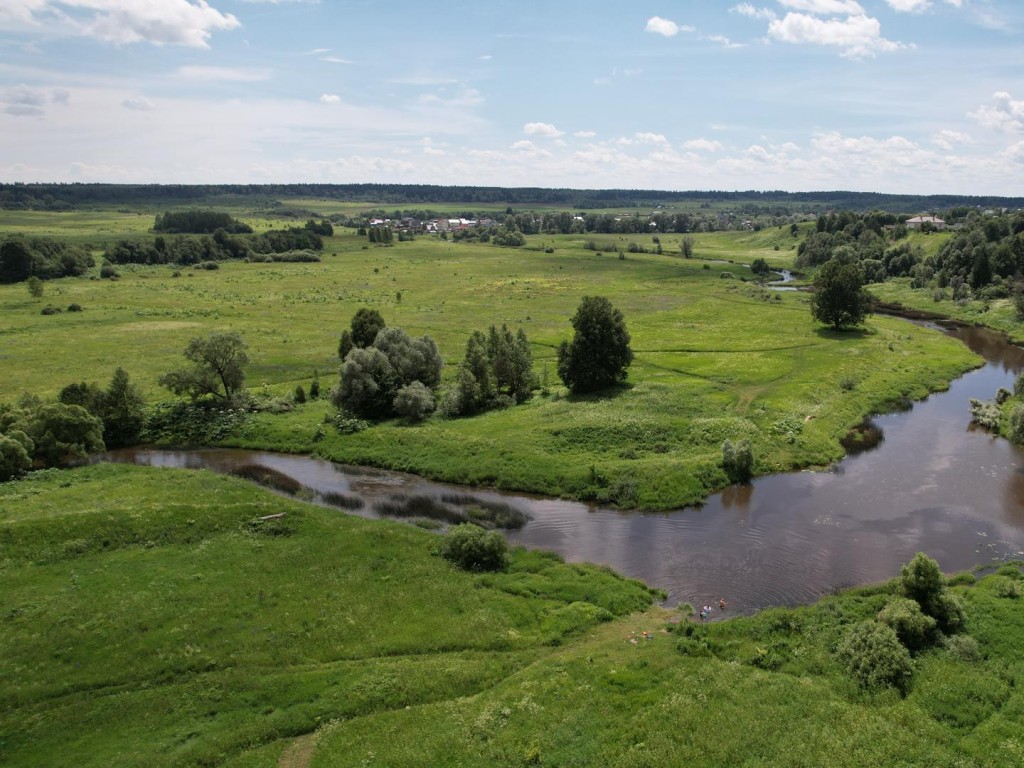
(753,12)
(138,103)
(542,129)
(665,27)
(1005,115)
(330,98)
(188,23)
(224,74)
(724,41)
(467,97)
(946,139)
(917,6)
(858,36)
(334,60)
(650,138)
(26,101)
(585,134)
(825,7)
(704,145)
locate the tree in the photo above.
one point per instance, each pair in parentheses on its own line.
(738,460)
(372,376)
(366,323)
(367,383)
(760,267)
(63,433)
(122,412)
(839,297)
(218,368)
(15,261)
(599,354)
(414,402)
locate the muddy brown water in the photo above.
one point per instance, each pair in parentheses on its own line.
(932,483)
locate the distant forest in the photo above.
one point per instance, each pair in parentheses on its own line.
(55,197)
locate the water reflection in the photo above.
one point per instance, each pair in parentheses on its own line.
(932,485)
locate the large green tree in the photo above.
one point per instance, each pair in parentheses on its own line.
(599,354)
(218,368)
(839,298)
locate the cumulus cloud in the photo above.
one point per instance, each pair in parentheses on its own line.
(753,12)
(585,134)
(724,41)
(188,23)
(917,6)
(542,129)
(858,36)
(1005,115)
(665,27)
(26,101)
(703,145)
(138,103)
(946,139)
(330,98)
(825,7)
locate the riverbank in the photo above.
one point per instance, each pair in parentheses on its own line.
(158,617)
(998,314)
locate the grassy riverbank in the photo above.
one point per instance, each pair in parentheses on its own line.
(993,313)
(151,618)
(716,358)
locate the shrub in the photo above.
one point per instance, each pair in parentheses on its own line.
(1017,424)
(1007,588)
(474,549)
(49,309)
(912,627)
(414,401)
(74,307)
(875,658)
(208,265)
(738,460)
(14,458)
(963,648)
(300,394)
(109,271)
(985,413)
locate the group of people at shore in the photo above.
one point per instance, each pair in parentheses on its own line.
(706,610)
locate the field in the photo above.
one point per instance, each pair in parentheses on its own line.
(717,356)
(151,618)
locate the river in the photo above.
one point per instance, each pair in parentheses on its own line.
(933,484)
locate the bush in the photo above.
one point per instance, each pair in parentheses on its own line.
(875,658)
(414,401)
(300,395)
(1007,588)
(1017,424)
(109,271)
(738,460)
(963,648)
(49,309)
(912,627)
(74,307)
(209,265)
(474,549)
(14,458)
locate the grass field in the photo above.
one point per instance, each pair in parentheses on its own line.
(716,357)
(150,618)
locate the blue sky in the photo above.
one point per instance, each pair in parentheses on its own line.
(901,96)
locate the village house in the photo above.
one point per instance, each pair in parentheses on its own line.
(918,222)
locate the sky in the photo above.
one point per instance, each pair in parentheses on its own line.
(894,96)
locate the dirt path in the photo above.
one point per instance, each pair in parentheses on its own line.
(299,752)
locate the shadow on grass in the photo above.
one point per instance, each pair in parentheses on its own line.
(845,334)
(612,392)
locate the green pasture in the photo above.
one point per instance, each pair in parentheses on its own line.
(716,357)
(151,617)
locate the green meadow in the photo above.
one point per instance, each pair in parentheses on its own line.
(153,617)
(717,356)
